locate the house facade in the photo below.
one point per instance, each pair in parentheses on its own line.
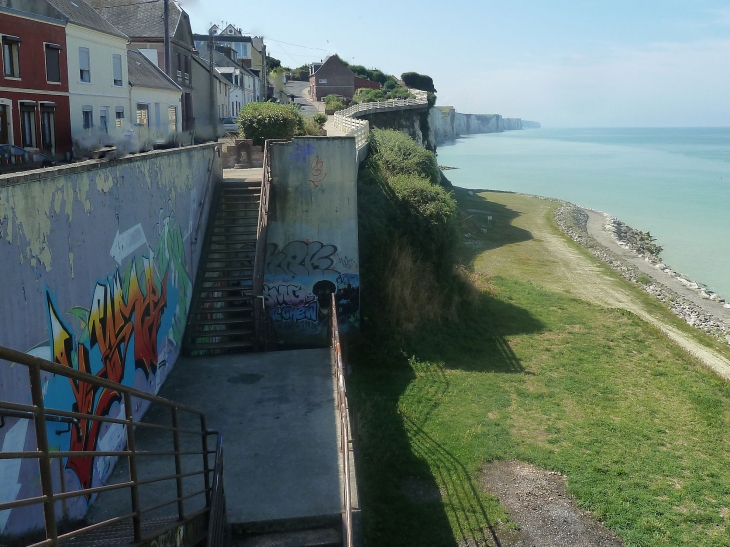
(97,76)
(208,101)
(250,51)
(34,94)
(333,77)
(143,22)
(155,101)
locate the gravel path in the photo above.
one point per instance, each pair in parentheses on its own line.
(597,228)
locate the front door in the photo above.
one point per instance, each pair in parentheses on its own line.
(4,133)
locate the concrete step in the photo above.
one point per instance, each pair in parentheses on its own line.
(250,222)
(226,321)
(228,278)
(228,269)
(219,333)
(208,299)
(322,537)
(239,344)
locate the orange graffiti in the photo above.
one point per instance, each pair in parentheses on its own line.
(317,171)
(114,319)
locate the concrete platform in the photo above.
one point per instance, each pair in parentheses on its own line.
(277,414)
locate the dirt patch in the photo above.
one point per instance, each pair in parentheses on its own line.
(538,503)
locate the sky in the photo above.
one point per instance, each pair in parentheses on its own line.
(618,63)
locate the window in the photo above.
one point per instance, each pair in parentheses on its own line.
(187,67)
(143,114)
(53,63)
(117,64)
(27,125)
(104,119)
(11,56)
(84,65)
(119,116)
(48,126)
(4,122)
(88,116)
(179,65)
(172,117)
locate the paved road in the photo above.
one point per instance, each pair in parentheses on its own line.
(297,89)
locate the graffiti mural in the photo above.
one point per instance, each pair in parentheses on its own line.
(300,280)
(134,323)
(300,258)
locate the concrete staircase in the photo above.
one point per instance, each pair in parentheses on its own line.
(221,316)
(325,531)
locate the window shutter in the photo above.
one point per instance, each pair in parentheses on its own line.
(53,63)
(117,62)
(84,58)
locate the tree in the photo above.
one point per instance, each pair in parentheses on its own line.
(418,81)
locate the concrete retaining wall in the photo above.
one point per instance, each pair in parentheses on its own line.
(98,265)
(312,241)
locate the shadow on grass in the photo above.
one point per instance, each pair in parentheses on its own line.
(489,224)
(413,490)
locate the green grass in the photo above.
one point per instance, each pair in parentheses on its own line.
(536,374)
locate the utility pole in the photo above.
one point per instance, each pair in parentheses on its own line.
(167,40)
(264,76)
(213,113)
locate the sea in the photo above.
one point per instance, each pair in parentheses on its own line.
(672,182)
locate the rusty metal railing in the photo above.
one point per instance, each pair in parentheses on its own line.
(142,532)
(259,304)
(345,431)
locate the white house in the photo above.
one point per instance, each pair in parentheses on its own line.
(155,103)
(97,67)
(242,87)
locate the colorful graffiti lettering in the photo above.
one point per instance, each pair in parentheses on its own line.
(128,318)
(300,258)
(316,173)
(294,314)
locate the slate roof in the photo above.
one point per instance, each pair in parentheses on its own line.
(144,73)
(82,14)
(139,19)
(206,66)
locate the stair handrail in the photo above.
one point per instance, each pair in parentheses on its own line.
(259,303)
(346,439)
(217,520)
(39,414)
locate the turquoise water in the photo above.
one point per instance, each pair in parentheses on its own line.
(672,182)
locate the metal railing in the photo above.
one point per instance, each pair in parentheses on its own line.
(345,431)
(347,120)
(79,423)
(259,303)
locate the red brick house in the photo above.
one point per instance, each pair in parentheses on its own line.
(333,77)
(363,83)
(34,98)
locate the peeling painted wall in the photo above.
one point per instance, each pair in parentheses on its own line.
(98,264)
(312,241)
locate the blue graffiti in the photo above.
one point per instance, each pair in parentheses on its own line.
(301,151)
(294,313)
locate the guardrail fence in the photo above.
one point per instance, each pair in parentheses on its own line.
(147,526)
(345,431)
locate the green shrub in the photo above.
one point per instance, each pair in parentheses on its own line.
(366,95)
(427,218)
(261,121)
(431,97)
(334,102)
(397,154)
(320,118)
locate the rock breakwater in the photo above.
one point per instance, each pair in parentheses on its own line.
(573,221)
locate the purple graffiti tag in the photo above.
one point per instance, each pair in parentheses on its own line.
(290,295)
(301,151)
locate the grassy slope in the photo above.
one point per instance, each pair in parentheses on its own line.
(531,372)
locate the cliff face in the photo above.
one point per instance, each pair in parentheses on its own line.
(446,124)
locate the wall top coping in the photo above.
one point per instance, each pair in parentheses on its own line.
(24,177)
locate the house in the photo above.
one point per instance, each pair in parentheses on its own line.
(210,102)
(155,99)
(96,56)
(244,83)
(34,102)
(333,77)
(250,51)
(143,22)
(361,83)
